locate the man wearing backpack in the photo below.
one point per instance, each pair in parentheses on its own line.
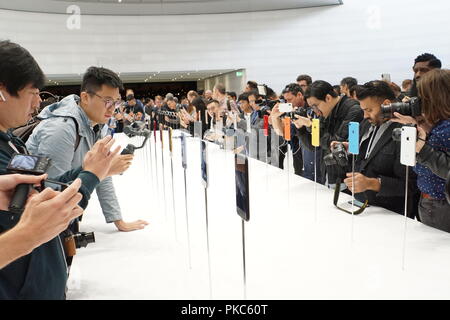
(69,128)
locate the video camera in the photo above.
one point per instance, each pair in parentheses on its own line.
(411,108)
(136,129)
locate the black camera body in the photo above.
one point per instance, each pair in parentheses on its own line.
(411,108)
(338,160)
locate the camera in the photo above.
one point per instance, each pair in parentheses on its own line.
(76,240)
(411,108)
(337,157)
(136,129)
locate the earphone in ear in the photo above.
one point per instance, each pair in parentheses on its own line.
(2,97)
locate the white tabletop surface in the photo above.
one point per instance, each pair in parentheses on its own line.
(296,247)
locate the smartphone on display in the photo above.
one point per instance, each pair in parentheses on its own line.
(183,151)
(204,162)
(315,132)
(408,146)
(285,107)
(287,128)
(353,137)
(242,189)
(386,77)
(170,140)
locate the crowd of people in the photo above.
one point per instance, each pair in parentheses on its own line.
(77,134)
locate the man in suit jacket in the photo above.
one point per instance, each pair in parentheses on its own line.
(381,177)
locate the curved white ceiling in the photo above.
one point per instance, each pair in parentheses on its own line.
(159,7)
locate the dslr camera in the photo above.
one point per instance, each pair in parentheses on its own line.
(411,108)
(338,160)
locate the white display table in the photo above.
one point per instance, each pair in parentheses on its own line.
(292,252)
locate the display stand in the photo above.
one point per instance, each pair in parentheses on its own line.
(162,164)
(173,191)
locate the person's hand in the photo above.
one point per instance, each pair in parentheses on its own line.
(400,118)
(301,121)
(275,113)
(9,182)
(422,136)
(334,143)
(120,164)
(362,183)
(130,226)
(99,159)
(49,213)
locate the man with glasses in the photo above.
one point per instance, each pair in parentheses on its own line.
(71,127)
(335,112)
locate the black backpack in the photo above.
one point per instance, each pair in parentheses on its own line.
(24,132)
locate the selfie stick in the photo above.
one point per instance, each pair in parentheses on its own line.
(173,192)
(162,162)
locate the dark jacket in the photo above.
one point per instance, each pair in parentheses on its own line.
(333,128)
(384,163)
(42,274)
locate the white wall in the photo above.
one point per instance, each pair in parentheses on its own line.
(362,38)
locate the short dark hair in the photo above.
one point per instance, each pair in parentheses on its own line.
(254,93)
(243,97)
(337,89)
(270,93)
(306,78)
(18,68)
(375,89)
(431,58)
(349,81)
(96,77)
(232,94)
(213,101)
(252,84)
(293,88)
(319,90)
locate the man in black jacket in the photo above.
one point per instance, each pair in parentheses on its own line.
(381,177)
(335,112)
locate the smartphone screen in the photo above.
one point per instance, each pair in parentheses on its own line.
(262,90)
(23,162)
(204,163)
(241,180)
(183,151)
(353,137)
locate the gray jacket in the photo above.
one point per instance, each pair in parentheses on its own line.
(56,136)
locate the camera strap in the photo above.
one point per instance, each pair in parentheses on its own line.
(337,191)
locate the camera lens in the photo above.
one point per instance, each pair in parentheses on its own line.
(82,239)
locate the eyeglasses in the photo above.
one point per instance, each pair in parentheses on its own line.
(108,102)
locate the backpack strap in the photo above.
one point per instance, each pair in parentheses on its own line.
(78,138)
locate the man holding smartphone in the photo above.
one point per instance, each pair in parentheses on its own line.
(379,177)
